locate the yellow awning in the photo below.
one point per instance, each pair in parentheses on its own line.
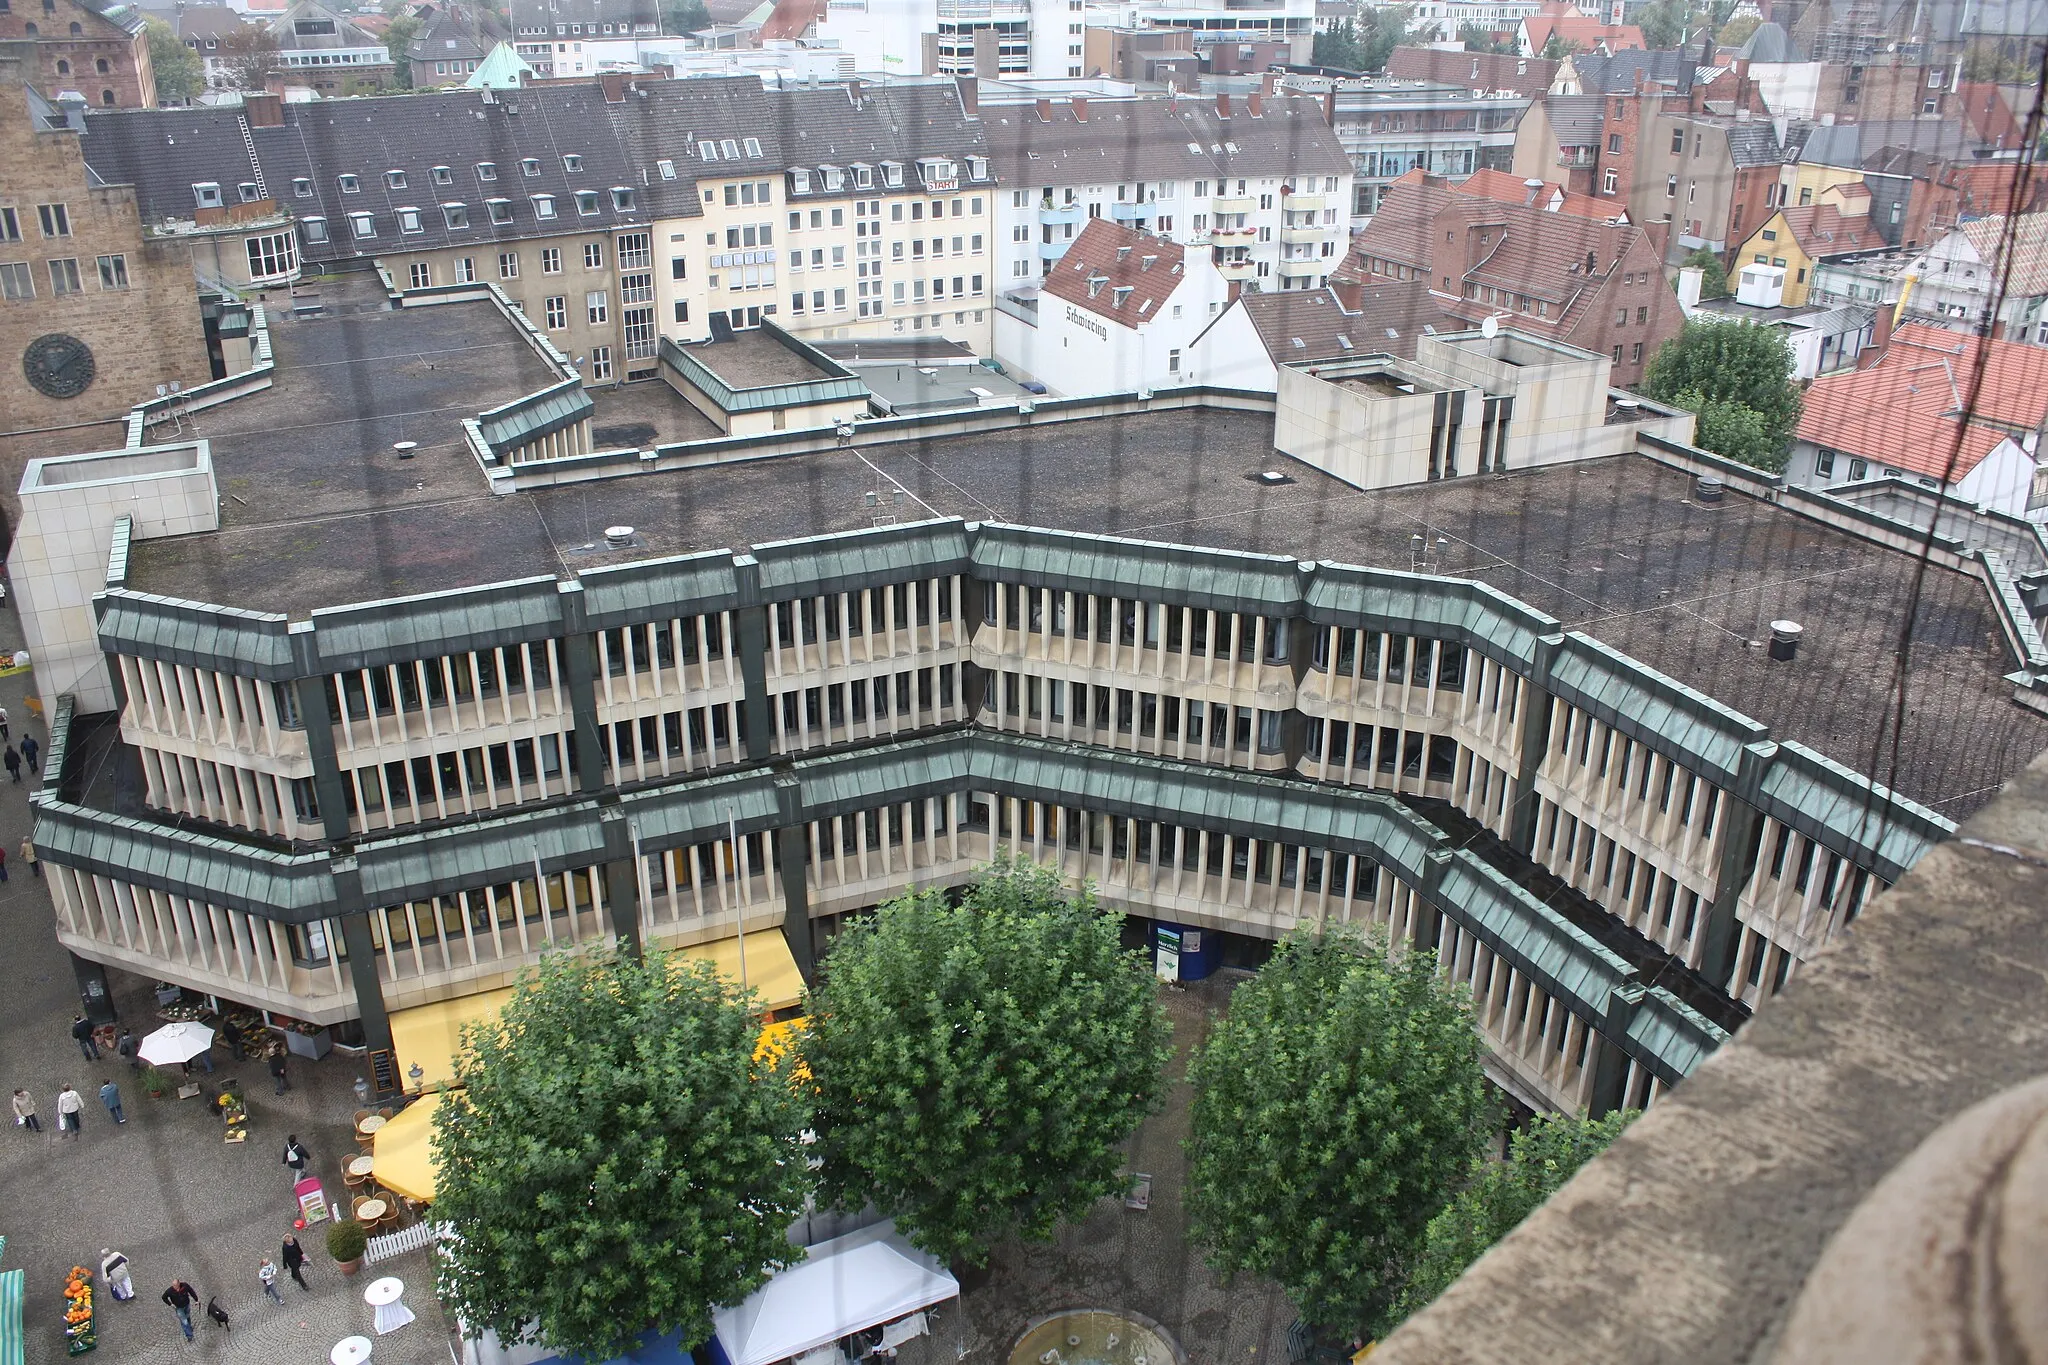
(404,1149)
(428,1035)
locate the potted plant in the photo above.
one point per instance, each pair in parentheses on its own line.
(153,1081)
(301,1039)
(346,1242)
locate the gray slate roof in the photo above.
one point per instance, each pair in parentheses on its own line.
(1615,74)
(1770,44)
(1157,139)
(1575,120)
(1756,143)
(1846,144)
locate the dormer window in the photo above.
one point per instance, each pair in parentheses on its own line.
(544,206)
(501,211)
(487,170)
(349,184)
(456,215)
(409,220)
(977,167)
(530,166)
(572,163)
(315,229)
(834,177)
(753,145)
(622,198)
(799,181)
(248,192)
(586,202)
(302,188)
(443,176)
(666,169)
(1119,294)
(892,174)
(207,195)
(863,177)
(364,224)
(394,180)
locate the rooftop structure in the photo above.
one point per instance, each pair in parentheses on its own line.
(1476,71)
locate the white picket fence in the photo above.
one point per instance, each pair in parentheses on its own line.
(415,1238)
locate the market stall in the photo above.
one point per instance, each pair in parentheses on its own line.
(402,1150)
(13,1288)
(865,1279)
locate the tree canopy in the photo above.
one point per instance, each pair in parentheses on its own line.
(1743,373)
(180,76)
(978,1065)
(1662,23)
(1557,47)
(618,1160)
(1501,1194)
(1477,39)
(248,54)
(1336,1109)
(1713,278)
(1363,44)
(684,16)
(398,37)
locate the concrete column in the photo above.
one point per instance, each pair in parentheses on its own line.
(362,954)
(789,855)
(1610,1067)
(1532,739)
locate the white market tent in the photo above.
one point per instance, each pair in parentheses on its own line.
(845,1285)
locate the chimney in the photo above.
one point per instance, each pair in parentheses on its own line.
(1223,106)
(1330,106)
(1045,111)
(1080,108)
(614,85)
(1880,337)
(1255,104)
(1690,278)
(1270,87)
(263,109)
(1349,294)
(970,95)
(1236,289)
(1534,187)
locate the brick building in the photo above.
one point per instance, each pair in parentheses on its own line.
(93,312)
(101,51)
(1593,284)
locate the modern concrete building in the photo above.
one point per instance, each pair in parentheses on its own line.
(407,717)
(1390,127)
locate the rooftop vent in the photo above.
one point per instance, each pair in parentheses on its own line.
(618,537)
(1707,491)
(1785,640)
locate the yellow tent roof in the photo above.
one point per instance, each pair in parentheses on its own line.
(404,1149)
(427,1036)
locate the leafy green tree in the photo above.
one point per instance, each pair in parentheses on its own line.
(1477,39)
(1501,1194)
(1713,279)
(618,1161)
(684,16)
(1336,1110)
(1736,31)
(978,1066)
(1713,361)
(180,76)
(1556,48)
(1381,29)
(248,55)
(398,39)
(1338,47)
(1662,23)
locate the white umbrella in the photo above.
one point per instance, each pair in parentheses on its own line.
(179,1042)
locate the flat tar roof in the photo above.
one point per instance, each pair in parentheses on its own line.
(318,514)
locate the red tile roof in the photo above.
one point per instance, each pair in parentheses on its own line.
(1583,32)
(1503,188)
(1119,274)
(1824,230)
(792,18)
(1905,411)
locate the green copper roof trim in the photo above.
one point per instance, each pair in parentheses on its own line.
(1111,566)
(1471,613)
(227,639)
(288,888)
(1846,812)
(534,415)
(398,629)
(1659,712)
(659,589)
(836,383)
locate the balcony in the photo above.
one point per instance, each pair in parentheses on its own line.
(1307,268)
(1306,203)
(1303,235)
(1242,203)
(1052,251)
(1238,232)
(1578,158)
(1069,213)
(1237,270)
(1133,213)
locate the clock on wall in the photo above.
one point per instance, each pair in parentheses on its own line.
(59,366)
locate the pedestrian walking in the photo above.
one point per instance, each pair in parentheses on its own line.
(70,1112)
(181,1296)
(13,761)
(294,1257)
(267,1272)
(110,1096)
(29,750)
(127,1046)
(3,723)
(82,1031)
(25,1112)
(3,864)
(295,1157)
(277,1069)
(28,856)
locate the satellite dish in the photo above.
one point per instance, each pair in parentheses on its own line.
(1490,328)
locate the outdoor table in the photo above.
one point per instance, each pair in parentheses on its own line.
(370,1210)
(362,1165)
(384,1296)
(350,1351)
(371,1124)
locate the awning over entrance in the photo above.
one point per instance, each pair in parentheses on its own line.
(427,1036)
(404,1150)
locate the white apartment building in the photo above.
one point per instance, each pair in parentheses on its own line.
(990,38)
(1261,180)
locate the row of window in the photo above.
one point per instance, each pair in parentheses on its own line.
(455,216)
(18,278)
(54,219)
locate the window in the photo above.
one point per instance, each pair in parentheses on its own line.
(551,260)
(442,175)
(17,283)
(456,215)
(600,362)
(593,255)
(666,168)
(586,202)
(530,166)
(271,255)
(543,206)
(622,198)
(206,195)
(1614,144)
(364,224)
(1824,464)
(1173,362)
(640,333)
(508,265)
(682,310)
(394,180)
(501,211)
(487,170)
(1677,141)
(678,268)
(753,146)
(1806,196)
(55,219)
(409,220)
(1635,354)
(465,270)
(557,312)
(1858,469)
(1611,182)
(597,305)
(421,274)
(572,163)
(64,276)
(314,228)
(1670,187)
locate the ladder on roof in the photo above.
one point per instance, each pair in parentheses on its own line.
(255,166)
